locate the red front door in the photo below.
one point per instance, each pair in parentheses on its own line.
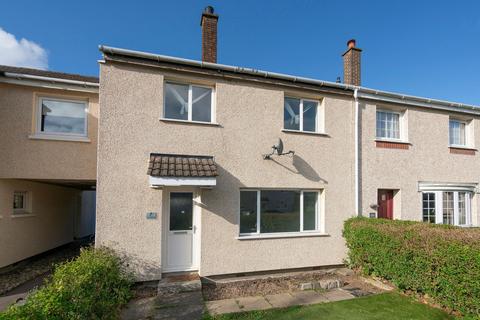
(385,204)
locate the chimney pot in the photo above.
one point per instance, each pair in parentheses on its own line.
(209,10)
(351,43)
(209,23)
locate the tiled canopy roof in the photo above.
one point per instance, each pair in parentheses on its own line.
(177,165)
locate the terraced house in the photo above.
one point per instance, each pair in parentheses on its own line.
(48,154)
(188,179)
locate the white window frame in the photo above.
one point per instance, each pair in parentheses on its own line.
(319,128)
(318,216)
(190,103)
(38,123)
(402,128)
(439,206)
(24,208)
(467,133)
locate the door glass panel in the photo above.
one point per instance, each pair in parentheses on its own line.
(448,208)
(181,211)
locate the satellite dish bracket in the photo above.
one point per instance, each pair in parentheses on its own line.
(278,150)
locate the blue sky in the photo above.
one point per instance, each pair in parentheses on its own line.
(425,48)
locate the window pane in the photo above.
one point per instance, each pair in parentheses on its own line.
(309,210)
(448,208)
(176,101)
(63,117)
(429,207)
(388,125)
(18,200)
(462,210)
(309,116)
(201,104)
(280,211)
(181,211)
(457,133)
(248,211)
(291,114)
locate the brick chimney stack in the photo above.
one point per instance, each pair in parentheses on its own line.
(352,64)
(209,35)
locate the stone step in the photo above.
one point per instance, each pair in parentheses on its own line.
(168,287)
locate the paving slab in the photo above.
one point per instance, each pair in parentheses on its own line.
(338,295)
(253,303)
(307,297)
(222,306)
(280,300)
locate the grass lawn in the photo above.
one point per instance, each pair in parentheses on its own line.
(389,306)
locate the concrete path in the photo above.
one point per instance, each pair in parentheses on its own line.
(176,306)
(20,293)
(281,300)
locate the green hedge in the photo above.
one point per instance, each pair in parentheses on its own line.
(442,262)
(93,286)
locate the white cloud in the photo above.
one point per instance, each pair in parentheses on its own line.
(21,53)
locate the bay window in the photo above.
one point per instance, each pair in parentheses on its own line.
(278,211)
(447,207)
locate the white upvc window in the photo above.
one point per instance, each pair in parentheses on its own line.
(389,125)
(302,115)
(458,133)
(272,211)
(447,207)
(20,202)
(187,102)
(60,117)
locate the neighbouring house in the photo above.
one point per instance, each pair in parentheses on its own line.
(185,181)
(48,143)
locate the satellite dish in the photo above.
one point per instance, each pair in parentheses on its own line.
(277,149)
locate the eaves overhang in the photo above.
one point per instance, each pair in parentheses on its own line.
(112,53)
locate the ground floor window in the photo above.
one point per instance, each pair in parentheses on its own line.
(274,211)
(447,207)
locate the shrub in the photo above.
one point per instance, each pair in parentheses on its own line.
(440,261)
(93,286)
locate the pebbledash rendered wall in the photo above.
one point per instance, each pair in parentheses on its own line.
(250,118)
(428,159)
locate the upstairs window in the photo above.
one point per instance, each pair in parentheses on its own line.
(188,102)
(301,115)
(457,133)
(61,117)
(388,125)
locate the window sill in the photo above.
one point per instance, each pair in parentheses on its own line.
(58,138)
(392,144)
(452,146)
(214,124)
(284,235)
(392,141)
(23,215)
(462,150)
(306,132)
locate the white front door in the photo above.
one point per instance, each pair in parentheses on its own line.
(181,230)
